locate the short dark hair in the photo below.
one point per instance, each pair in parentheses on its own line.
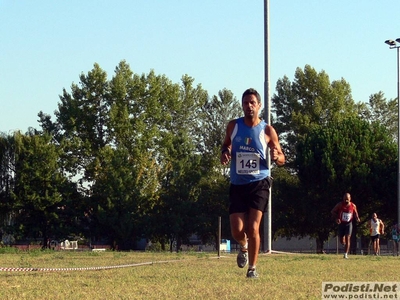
(252,91)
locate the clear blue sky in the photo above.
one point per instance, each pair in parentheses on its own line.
(46,45)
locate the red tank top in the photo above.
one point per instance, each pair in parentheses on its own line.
(346,213)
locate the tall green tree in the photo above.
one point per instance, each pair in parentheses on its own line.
(181,169)
(383,111)
(139,129)
(351,155)
(216,113)
(82,123)
(214,185)
(123,195)
(7,169)
(38,179)
(311,99)
(305,108)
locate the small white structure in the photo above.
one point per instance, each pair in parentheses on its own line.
(225,246)
(69,245)
(98,249)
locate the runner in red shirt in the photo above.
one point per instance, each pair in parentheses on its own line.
(344,212)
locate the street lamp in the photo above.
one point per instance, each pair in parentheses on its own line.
(396,45)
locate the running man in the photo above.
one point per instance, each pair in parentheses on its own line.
(246,143)
(344,212)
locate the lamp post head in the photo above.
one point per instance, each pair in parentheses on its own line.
(391,42)
(398,40)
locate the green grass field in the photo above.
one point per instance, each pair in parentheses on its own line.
(147,275)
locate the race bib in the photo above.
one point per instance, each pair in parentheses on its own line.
(346,217)
(247,163)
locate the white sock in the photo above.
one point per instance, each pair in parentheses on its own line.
(244,247)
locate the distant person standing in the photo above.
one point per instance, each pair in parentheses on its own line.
(395,232)
(344,212)
(376,228)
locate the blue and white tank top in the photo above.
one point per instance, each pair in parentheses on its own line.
(248,153)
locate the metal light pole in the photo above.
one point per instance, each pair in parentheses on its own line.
(396,45)
(267,238)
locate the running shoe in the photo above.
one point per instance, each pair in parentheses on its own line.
(242,259)
(345,256)
(251,273)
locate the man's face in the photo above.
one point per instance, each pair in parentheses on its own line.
(347,198)
(250,106)
(374,216)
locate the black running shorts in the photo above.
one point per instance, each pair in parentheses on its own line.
(345,229)
(374,237)
(252,195)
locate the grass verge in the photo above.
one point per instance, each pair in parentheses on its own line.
(182,275)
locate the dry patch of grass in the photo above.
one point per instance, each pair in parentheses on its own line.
(184,275)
